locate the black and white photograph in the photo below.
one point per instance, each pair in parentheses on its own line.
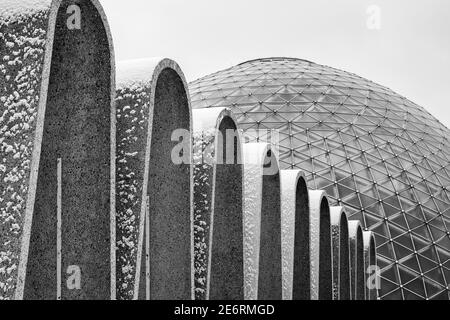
(224,155)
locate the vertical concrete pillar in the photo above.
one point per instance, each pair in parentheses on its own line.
(218,205)
(320,246)
(356,260)
(370,265)
(57,93)
(295,235)
(154,171)
(341,258)
(262,223)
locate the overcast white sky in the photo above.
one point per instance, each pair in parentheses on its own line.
(410,53)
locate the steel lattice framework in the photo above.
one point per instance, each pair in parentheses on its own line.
(381,156)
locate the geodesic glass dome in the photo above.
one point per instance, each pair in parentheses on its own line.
(382,157)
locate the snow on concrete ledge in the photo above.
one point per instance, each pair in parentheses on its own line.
(12,10)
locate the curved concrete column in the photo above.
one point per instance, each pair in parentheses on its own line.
(356,260)
(370,264)
(154,189)
(262,223)
(58,136)
(218,205)
(320,246)
(295,235)
(341,256)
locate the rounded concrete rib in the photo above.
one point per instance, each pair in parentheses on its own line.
(262,224)
(218,205)
(356,260)
(154,189)
(341,258)
(295,235)
(58,125)
(370,265)
(320,246)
